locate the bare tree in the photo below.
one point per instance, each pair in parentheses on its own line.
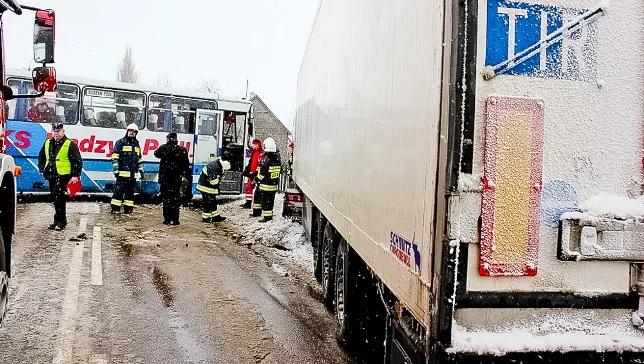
(211,86)
(127,69)
(163,80)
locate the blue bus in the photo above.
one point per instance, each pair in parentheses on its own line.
(96,113)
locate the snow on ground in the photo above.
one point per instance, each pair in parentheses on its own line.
(286,236)
(543,339)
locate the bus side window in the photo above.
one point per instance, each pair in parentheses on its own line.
(120,120)
(60,114)
(89,118)
(179,124)
(152,122)
(103,119)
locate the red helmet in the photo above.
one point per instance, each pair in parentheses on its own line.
(73,187)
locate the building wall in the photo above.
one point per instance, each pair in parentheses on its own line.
(266,124)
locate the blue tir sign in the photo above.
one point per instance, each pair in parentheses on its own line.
(513,26)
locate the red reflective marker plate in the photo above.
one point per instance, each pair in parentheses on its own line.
(511,187)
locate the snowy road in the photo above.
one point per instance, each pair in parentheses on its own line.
(137,291)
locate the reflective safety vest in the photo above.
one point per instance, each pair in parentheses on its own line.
(63,164)
(209,179)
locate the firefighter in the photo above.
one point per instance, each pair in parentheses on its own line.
(60,162)
(174,167)
(126,162)
(253,162)
(268,176)
(208,185)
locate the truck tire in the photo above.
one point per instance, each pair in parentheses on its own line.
(317,231)
(4,279)
(317,262)
(345,292)
(328,251)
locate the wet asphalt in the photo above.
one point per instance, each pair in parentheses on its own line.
(137,291)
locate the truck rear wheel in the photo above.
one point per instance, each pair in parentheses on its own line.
(328,250)
(317,261)
(317,225)
(346,290)
(4,279)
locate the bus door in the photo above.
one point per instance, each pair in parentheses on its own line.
(207,141)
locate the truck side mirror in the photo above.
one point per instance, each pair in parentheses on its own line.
(44,79)
(44,36)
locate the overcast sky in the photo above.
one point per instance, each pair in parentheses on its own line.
(224,40)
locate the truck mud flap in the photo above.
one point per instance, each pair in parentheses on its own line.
(400,348)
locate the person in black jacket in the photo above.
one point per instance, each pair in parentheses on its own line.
(173,168)
(208,186)
(60,162)
(268,177)
(127,163)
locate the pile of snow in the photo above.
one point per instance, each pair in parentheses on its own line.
(286,236)
(609,206)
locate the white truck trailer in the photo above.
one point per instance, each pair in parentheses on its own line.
(472,177)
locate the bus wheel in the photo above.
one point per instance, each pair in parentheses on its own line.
(328,250)
(4,279)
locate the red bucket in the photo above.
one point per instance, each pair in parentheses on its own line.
(73,187)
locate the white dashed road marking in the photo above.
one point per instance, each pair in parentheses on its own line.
(97,263)
(65,342)
(82,228)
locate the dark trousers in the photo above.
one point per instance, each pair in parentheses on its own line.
(268,201)
(58,190)
(209,205)
(257,201)
(123,194)
(171,195)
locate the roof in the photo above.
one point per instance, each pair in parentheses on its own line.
(256,97)
(223,104)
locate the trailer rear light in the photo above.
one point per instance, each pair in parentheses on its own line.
(17,171)
(294,197)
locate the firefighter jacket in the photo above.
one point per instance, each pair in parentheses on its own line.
(268,172)
(126,158)
(174,164)
(60,158)
(210,177)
